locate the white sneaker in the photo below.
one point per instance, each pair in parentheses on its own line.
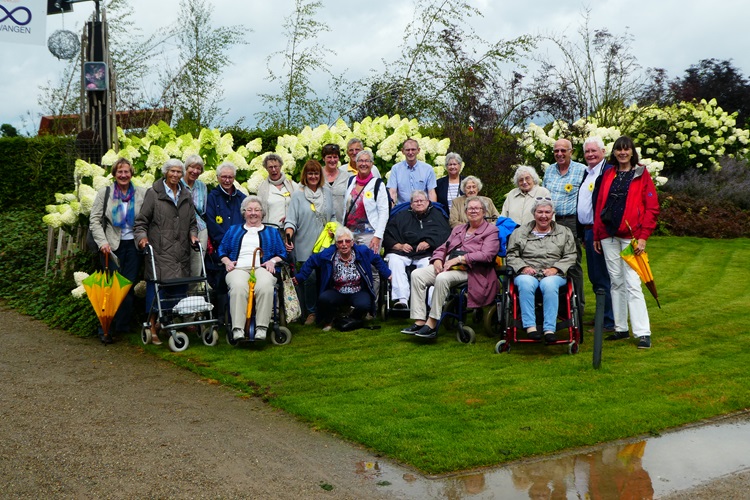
(260,333)
(238,333)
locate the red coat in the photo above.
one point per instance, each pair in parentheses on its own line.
(481,250)
(641,206)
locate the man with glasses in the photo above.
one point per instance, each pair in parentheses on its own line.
(563,179)
(594,153)
(410,238)
(410,175)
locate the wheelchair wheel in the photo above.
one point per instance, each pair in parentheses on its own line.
(230,337)
(178,342)
(383,311)
(466,335)
(281,337)
(210,336)
(146,333)
(573,348)
(502,346)
(491,320)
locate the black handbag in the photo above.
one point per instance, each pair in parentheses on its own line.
(90,241)
(347,323)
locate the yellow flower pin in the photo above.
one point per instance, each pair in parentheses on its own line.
(591,186)
(568,188)
(219,219)
(368,194)
(312,206)
(287,193)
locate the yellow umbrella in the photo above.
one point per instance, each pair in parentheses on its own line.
(640,265)
(106,290)
(251,288)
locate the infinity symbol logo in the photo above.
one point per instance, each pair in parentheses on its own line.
(9,15)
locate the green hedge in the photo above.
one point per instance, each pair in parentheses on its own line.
(34,169)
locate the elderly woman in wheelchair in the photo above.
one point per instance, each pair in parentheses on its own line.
(541,252)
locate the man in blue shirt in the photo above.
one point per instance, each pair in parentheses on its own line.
(411,175)
(563,179)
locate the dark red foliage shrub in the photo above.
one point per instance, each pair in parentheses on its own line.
(685,215)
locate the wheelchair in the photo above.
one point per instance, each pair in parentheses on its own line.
(278,333)
(508,312)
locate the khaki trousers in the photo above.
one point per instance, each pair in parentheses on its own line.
(421,280)
(239,288)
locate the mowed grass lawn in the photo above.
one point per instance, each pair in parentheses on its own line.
(447,406)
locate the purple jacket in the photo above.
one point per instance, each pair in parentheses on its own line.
(481,250)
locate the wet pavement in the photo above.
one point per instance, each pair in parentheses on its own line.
(635,469)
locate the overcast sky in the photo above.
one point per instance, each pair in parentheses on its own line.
(669,34)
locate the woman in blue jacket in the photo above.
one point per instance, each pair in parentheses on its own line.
(237,253)
(345,277)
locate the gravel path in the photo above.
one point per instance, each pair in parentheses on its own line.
(81,420)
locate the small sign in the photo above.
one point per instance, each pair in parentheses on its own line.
(95,76)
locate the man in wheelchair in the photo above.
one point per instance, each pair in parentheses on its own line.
(541,252)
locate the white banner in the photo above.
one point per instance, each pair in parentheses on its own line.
(23,21)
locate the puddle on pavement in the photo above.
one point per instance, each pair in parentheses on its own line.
(643,469)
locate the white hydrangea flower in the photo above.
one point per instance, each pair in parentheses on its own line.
(110,158)
(53,220)
(78,292)
(209,178)
(79,276)
(100,182)
(255,146)
(226,143)
(255,180)
(145,180)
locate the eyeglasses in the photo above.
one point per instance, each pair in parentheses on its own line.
(271,166)
(539,198)
(343,242)
(560,150)
(226,177)
(473,209)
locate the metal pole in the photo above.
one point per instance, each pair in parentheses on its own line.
(598,328)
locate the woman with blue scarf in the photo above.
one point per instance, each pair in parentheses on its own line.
(111,222)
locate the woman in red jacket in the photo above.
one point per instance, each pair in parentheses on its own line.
(626,207)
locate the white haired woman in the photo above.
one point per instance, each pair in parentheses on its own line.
(449,186)
(276,191)
(520,200)
(237,253)
(541,252)
(471,186)
(166,222)
(345,277)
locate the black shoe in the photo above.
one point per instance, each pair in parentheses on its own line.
(550,338)
(412,329)
(401,305)
(644,342)
(535,335)
(426,332)
(617,336)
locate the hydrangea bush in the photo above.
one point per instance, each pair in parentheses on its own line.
(675,138)
(384,136)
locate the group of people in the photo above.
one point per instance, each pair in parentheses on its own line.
(601,206)
(442,227)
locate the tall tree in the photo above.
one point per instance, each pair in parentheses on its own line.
(711,78)
(297,104)
(194,90)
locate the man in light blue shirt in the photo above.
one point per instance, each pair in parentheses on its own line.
(563,179)
(411,175)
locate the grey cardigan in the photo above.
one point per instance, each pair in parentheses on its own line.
(112,234)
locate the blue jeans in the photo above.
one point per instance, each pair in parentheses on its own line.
(130,264)
(550,286)
(599,276)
